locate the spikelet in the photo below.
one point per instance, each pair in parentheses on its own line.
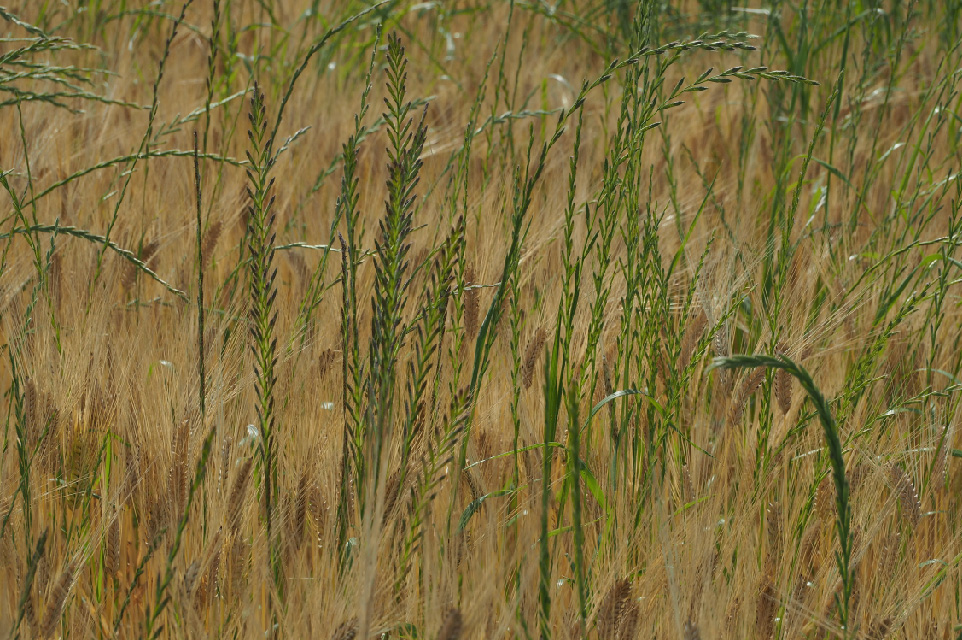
(239,561)
(452,625)
(57,599)
(191,577)
(691,631)
(210,243)
(773,517)
(614,610)
(32,411)
(908,495)
(887,552)
(531,357)
(224,472)
(208,583)
(825,499)
(629,621)
(54,277)
(783,383)
(392,492)
(720,343)
(177,483)
(29,611)
(148,254)
(324,362)
(880,628)
(112,546)
(940,468)
(347,630)
(236,499)
(765,609)
(471,304)
(688,488)
(693,333)
(749,384)
(316,503)
(300,511)
(604,388)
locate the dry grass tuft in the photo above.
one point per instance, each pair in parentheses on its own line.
(426,198)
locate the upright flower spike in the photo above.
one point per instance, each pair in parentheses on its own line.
(263,317)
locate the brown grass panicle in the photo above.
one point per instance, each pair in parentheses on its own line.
(618,615)
(783,382)
(57,598)
(749,384)
(908,496)
(531,356)
(452,626)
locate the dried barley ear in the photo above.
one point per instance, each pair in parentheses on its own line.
(908,495)
(783,382)
(347,630)
(618,617)
(531,356)
(452,626)
(471,304)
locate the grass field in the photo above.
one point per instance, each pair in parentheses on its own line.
(604,319)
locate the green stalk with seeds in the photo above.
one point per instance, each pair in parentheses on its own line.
(833,442)
(263,316)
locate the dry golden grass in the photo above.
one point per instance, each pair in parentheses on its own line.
(718,520)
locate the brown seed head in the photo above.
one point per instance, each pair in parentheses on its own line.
(452,625)
(531,357)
